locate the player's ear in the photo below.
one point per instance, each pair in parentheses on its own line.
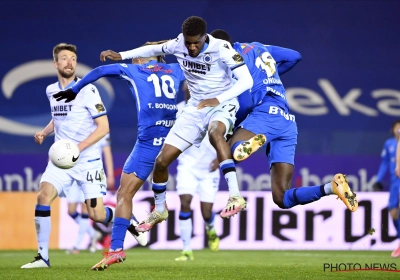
(55,64)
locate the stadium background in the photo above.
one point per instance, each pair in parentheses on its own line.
(344,93)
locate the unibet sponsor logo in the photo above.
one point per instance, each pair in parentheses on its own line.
(61,110)
(195,67)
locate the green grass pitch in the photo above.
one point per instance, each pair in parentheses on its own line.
(151,264)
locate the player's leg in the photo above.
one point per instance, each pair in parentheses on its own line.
(124,219)
(208,188)
(75,197)
(186,187)
(281,151)
(174,145)
(85,226)
(220,124)
(394,208)
(186,227)
(52,184)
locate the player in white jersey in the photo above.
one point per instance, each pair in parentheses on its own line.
(75,197)
(206,62)
(197,172)
(85,122)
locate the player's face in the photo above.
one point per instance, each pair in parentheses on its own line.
(396,130)
(66,64)
(194,44)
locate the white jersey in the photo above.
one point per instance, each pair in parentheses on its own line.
(208,74)
(197,157)
(75,120)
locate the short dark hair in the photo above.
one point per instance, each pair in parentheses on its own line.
(222,34)
(63,46)
(393,125)
(160,58)
(194,26)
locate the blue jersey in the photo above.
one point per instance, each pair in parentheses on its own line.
(389,162)
(266,63)
(154,86)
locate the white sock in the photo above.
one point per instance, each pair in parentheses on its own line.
(84,225)
(43,227)
(186,233)
(328,188)
(160,196)
(231,179)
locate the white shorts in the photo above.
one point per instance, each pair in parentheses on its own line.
(191,126)
(89,177)
(205,183)
(75,194)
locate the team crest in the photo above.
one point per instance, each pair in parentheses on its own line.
(238,58)
(100,107)
(207,58)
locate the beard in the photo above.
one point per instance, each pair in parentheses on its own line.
(65,74)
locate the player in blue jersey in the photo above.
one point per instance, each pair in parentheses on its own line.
(389,163)
(154,86)
(269,122)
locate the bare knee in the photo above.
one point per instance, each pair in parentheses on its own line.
(160,164)
(394,213)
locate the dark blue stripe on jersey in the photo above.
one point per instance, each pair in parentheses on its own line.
(102,114)
(90,160)
(236,66)
(184,215)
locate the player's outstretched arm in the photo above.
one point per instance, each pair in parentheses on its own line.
(111,70)
(285,58)
(145,51)
(110,55)
(41,135)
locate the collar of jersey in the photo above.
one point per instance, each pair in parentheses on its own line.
(204,48)
(69,85)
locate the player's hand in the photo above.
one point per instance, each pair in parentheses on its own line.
(110,55)
(68,95)
(214,165)
(39,137)
(208,103)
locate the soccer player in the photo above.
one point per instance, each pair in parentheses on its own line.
(270,123)
(75,197)
(207,63)
(389,163)
(197,171)
(154,85)
(85,122)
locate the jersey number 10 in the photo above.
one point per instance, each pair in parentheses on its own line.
(163,85)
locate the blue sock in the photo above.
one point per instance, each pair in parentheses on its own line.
(109,215)
(118,233)
(302,195)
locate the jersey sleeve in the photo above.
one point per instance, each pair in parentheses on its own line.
(169,47)
(286,59)
(93,102)
(229,56)
(179,72)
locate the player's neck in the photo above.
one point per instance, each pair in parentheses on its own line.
(65,81)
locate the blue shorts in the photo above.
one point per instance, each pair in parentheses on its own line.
(278,126)
(394,196)
(142,158)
